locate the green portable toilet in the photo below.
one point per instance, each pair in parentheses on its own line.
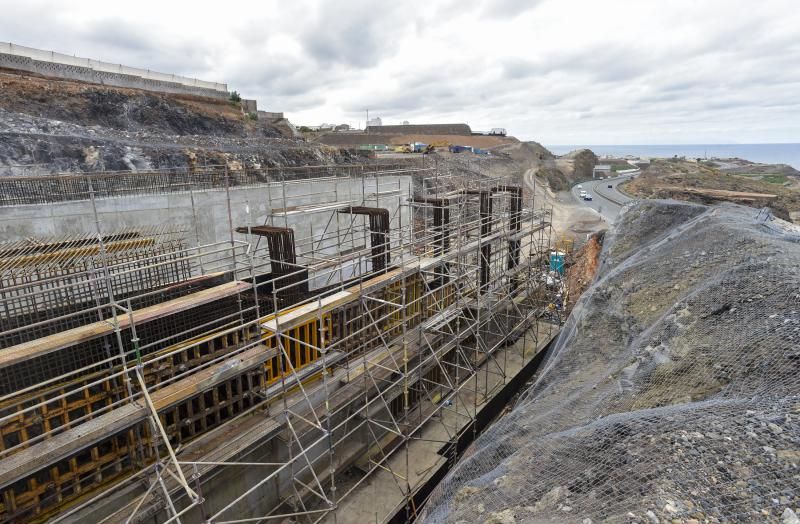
(557,262)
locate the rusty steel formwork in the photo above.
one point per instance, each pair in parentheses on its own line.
(291,279)
(441,221)
(379,233)
(485,199)
(314,359)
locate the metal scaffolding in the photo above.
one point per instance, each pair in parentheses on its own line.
(273,375)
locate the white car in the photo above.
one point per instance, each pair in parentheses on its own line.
(582,193)
(580,186)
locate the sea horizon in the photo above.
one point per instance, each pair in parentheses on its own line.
(774,153)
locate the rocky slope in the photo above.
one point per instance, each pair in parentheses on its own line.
(672,394)
(701,183)
(51,125)
(534,157)
(559,173)
(583,162)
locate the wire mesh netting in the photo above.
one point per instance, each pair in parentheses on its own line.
(673,392)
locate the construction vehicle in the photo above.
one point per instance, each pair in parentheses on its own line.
(417,147)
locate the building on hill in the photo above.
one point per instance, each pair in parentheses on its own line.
(322,127)
(422,129)
(374,122)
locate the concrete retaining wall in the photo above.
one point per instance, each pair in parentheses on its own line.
(204,214)
(422,129)
(269,115)
(103,73)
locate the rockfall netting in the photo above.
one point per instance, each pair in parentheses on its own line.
(673,392)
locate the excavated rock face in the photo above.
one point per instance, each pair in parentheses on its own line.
(673,392)
(554,177)
(584,162)
(50,125)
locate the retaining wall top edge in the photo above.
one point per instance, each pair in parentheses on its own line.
(41,55)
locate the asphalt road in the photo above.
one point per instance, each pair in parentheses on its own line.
(606,201)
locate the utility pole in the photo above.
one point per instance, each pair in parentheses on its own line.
(366,126)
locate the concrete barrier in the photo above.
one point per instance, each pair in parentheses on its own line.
(57,65)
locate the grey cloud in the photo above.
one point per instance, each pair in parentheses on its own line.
(508,8)
(276,76)
(611,64)
(431,87)
(678,87)
(408,100)
(41,26)
(118,34)
(696,77)
(660,97)
(117,40)
(112,39)
(516,68)
(294,103)
(354,33)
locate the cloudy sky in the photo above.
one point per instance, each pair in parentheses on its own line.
(556,71)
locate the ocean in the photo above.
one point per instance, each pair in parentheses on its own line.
(763,153)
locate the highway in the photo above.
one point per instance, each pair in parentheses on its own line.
(606,201)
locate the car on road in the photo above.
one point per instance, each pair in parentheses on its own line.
(610,186)
(580,186)
(587,197)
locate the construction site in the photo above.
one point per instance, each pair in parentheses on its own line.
(338,338)
(208,315)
